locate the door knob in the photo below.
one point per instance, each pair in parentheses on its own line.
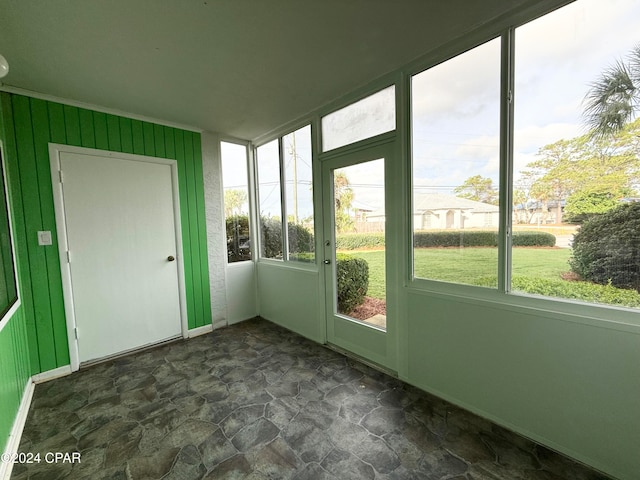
(327,262)
(171,258)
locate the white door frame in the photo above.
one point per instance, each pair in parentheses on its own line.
(58,199)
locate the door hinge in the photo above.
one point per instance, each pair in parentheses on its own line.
(68,256)
(60,175)
(75,332)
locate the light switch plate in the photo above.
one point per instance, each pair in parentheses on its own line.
(44,238)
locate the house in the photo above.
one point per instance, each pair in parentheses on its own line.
(442,211)
(130,101)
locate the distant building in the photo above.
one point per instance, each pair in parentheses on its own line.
(439,211)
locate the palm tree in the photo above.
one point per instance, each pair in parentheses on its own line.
(614,99)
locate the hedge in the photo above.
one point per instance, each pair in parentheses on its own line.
(447,238)
(357,241)
(352,278)
(300,239)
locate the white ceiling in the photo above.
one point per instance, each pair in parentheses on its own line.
(239,67)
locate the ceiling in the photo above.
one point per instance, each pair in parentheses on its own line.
(238,67)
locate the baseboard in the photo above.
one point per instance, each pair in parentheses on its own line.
(13,443)
(51,374)
(200,331)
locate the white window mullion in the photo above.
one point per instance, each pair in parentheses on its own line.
(506,160)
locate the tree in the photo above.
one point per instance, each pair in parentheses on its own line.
(478,188)
(614,98)
(584,204)
(343,195)
(588,172)
(233,201)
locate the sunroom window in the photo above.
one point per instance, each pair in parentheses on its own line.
(577,155)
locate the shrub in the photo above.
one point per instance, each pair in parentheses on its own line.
(301,243)
(533,239)
(352,278)
(300,239)
(238,246)
(585,291)
(606,249)
(479,238)
(271,237)
(355,241)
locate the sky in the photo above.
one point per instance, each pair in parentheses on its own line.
(455,105)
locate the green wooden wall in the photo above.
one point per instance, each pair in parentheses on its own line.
(14,353)
(14,372)
(31,124)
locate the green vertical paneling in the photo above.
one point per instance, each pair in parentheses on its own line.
(39,313)
(200,219)
(53,300)
(138,137)
(57,130)
(170,142)
(113,133)
(72,125)
(184,218)
(149,141)
(87,136)
(193,228)
(15,367)
(158,139)
(100,130)
(19,226)
(35,123)
(126,135)
(14,372)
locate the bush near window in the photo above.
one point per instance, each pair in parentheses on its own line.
(301,243)
(238,246)
(480,238)
(585,291)
(352,278)
(300,239)
(606,249)
(533,239)
(447,238)
(355,241)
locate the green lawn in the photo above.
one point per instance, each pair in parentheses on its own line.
(469,265)
(534,270)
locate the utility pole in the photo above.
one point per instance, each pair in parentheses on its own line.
(294,153)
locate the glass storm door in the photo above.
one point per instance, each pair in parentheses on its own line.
(355,257)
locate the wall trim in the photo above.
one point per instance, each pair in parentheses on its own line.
(96,108)
(196,332)
(13,442)
(51,374)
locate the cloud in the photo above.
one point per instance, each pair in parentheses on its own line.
(459,86)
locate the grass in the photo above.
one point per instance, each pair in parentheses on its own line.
(534,270)
(469,265)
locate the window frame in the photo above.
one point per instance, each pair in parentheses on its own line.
(625,318)
(285,260)
(250,195)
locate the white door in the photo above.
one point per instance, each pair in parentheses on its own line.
(370,332)
(121,237)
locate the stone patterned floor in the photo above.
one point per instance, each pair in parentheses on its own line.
(256,401)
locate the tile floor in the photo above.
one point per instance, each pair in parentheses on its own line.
(256,401)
